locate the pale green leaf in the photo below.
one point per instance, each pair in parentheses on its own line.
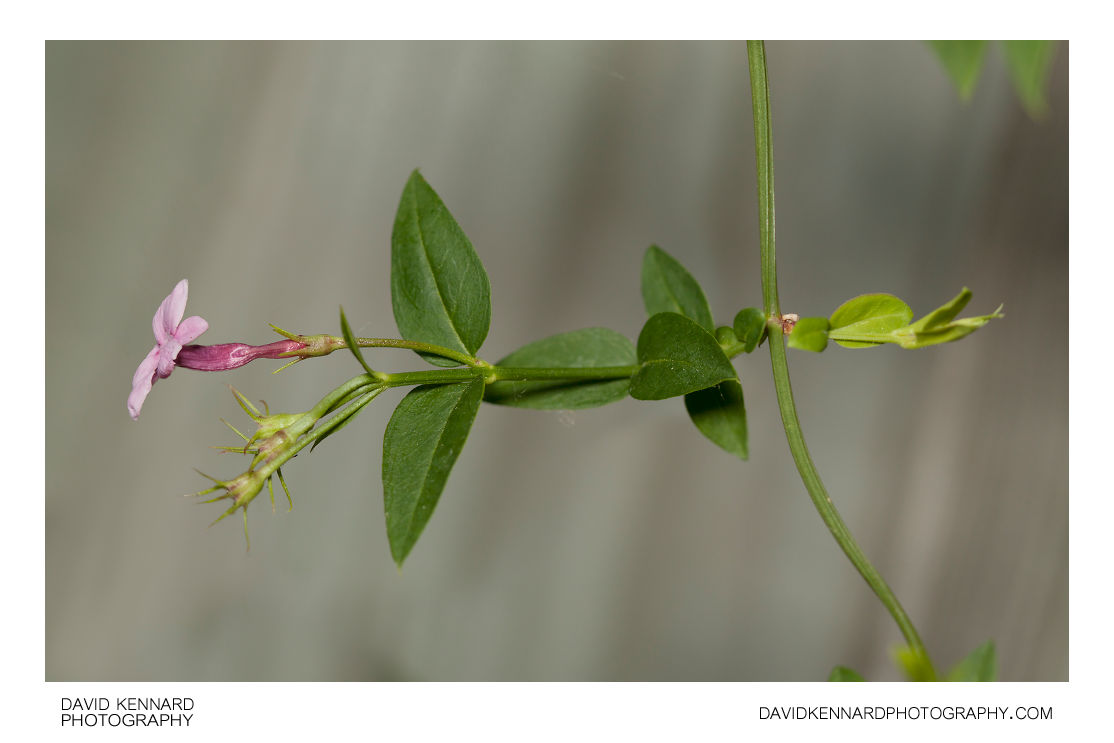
(668,287)
(439,289)
(590,347)
(980,665)
(420,446)
(677,356)
(1030,65)
(963,61)
(809,334)
(868,319)
(914,663)
(843,673)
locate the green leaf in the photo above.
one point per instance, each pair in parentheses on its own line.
(914,663)
(677,357)
(1030,65)
(591,347)
(940,325)
(421,443)
(810,334)
(942,315)
(843,673)
(439,289)
(720,415)
(668,287)
(350,341)
(980,665)
(963,61)
(750,327)
(868,319)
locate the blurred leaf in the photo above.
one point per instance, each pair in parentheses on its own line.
(750,327)
(915,665)
(809,334)
(439,289)
(843,673)
(980,665)
(590,347)
(420,446)
(720,415)
(868,316)
(963,61)
(677,356)
(1030,65)
(668,287)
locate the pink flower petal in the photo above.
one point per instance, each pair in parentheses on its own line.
(170,312)
(190,328)
(168,352)
(142,381)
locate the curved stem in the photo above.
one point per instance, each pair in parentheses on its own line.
(763,147)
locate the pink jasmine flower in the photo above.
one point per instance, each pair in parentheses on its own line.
(171,333)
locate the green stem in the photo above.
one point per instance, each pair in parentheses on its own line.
(763,149)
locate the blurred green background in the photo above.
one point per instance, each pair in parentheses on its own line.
(607,544)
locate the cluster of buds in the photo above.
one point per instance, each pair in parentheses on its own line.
(272,445)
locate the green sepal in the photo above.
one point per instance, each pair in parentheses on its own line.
(719,414)
(843,673)
(980,665)
(677,356)
(422,441)
(590,347)
(440,292)
(809,334)
(668,287)
(750,327)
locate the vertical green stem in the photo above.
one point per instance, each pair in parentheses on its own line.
(764,151)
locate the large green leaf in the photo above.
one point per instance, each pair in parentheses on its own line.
(980,665)
(421,443)
(963,61)
(668,287)
(590,347)
(720,415)
(439,289)
(868,316)
(843,673)
(677,356)
(1030,64)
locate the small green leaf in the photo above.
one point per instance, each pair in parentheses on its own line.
(439,289)
(980,665)
(750,326)
(677,357)
(963,61)
(809,334)
(590,347)
(420,446)
(350,341)
(1030,64)
(868,320)
(720,415)
(668,287)
(914,663)
(940,325)
(843,673)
